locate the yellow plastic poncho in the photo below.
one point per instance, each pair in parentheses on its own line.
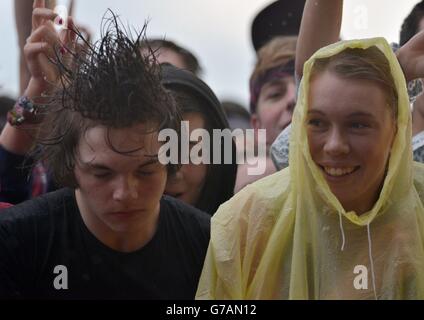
(288,237)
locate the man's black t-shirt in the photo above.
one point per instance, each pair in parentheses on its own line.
(46,251)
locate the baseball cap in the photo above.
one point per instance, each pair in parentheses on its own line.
(280,18)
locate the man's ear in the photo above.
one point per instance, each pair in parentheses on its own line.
(255,121)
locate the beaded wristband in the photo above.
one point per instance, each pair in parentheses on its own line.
(24,111)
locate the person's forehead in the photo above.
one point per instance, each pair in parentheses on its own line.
(137,140)
(329,90)
(329,81)
(167,55)
(279,82)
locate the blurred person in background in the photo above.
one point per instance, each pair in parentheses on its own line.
(272,98)
(167,51)
(205,185)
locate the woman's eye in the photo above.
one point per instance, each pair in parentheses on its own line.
(357,125)
(315,123)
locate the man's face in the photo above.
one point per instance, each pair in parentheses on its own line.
(275,107)
(119,192)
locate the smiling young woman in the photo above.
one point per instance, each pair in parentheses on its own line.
(351,200)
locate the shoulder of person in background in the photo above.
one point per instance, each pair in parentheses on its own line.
(4,205)
(279,151)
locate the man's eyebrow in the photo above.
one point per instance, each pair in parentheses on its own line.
(100,166)
(149,162)
(275,83)
(96,166)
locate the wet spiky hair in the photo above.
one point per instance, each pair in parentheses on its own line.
(109,83)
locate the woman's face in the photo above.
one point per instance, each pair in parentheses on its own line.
(187,184)
(350,131)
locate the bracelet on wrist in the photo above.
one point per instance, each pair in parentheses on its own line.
(24,111)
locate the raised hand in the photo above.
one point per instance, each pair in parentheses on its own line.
(411,57)
(43,47)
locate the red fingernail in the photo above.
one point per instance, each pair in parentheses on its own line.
(60,21)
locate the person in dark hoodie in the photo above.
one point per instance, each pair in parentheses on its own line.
(205,186)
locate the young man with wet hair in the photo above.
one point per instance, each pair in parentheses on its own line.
(110,233)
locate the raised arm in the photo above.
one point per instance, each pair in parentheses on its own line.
(39,48)
(15,141)
(411,57)
(320,26)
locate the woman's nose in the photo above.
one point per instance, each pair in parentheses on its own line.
(336,143)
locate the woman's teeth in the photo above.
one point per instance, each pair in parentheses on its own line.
(336,172)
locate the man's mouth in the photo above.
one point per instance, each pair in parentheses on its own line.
(128,213)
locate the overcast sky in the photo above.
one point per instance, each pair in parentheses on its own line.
(216,31)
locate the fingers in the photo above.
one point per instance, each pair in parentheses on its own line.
(71,30)
(31,50)
(44,36)
(68,36)
(45,33)
(39,4)
(71,8)
(40,15)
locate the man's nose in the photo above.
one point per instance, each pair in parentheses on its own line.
(126,188)
(286,115)
(288,104)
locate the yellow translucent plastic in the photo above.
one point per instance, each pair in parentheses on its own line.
(281,237)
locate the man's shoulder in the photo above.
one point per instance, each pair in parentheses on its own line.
(38,207)
(30,229)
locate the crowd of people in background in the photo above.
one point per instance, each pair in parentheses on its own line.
(89,211)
